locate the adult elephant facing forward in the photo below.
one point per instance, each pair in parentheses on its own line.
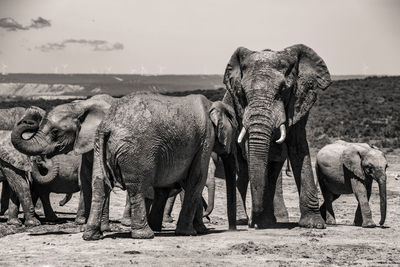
(271,90)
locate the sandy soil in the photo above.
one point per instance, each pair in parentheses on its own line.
(286,245)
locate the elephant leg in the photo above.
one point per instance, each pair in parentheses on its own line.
(198,224)
(93,226)
(13,210)
(5,197)
(140,228)
(105,217)
(230,179)
(168,210)
(242,184)
(80,214)
(280,210)
(155,217)
(363,216)
(85,178)
(299,157)
(20,187)
(126,216)
(48,210)
(193,186)
(326,208)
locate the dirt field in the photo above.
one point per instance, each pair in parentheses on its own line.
(287,245)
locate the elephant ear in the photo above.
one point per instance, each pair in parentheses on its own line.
(352,160)
(91,113)
(225,124)
(312,73)
(233,77)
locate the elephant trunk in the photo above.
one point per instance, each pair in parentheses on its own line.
(33,145)
(382,193)
(211,196)
(45,173)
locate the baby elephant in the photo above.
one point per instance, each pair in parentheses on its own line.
(345,168)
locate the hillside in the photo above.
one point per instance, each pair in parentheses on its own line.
(362,110)
(58,85)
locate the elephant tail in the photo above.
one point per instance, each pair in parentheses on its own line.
(102,141)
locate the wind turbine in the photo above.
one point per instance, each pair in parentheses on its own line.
(142,70)
(161,70)
(3,68)
(64,67)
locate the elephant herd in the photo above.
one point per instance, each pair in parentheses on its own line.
(154,146)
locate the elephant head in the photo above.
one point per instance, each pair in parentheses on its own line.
(368,163)
(65,128)
(225,125)
(271,90)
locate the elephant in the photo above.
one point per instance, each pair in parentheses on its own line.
(345,168)
(210,184)
(272,93)
(33,178)
(149,139)
(67,128)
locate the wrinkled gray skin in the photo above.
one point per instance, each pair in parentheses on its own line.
(159,215)
(271,90)
(68,127)
(154,140)
(210,184)
(23,174)
(345,168)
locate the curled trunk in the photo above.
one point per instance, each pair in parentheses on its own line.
(382,193)
(45,172)
(28,140)
(211,197)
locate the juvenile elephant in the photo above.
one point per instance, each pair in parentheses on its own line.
(155,140)
(345,168)
(35,177)
(67,127)
(272,93)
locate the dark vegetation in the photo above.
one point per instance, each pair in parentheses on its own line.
(358,110)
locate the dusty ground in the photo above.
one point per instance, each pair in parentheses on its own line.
(287,245)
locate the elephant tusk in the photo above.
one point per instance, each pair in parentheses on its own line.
(241,135)
(282,129)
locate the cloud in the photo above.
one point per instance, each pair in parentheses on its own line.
(40,23)
(11,24)
(95,45)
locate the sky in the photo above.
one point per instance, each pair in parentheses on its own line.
(193,37)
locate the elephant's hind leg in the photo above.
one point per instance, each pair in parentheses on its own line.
(49,214)
(326,208)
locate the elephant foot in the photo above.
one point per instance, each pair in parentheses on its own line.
(312,220)
(262,221)
(168,219)
(105,227)
(31,222)
(51,218)
(145,233)
(185,232)
(80,220)
(14,221)
(92,233)
(200,229)
(126,221)
(368,224)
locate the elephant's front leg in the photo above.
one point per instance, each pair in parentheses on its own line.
(280,210)
(13,210)
(299,156)
(362,192)
(85,179)
(105,217)
(80,213)
(157,209)
(48,210)
(5,197)
(230,179)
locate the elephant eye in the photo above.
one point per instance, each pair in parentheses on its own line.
(54,132)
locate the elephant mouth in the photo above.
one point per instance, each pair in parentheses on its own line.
(42,170)
(27,135)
